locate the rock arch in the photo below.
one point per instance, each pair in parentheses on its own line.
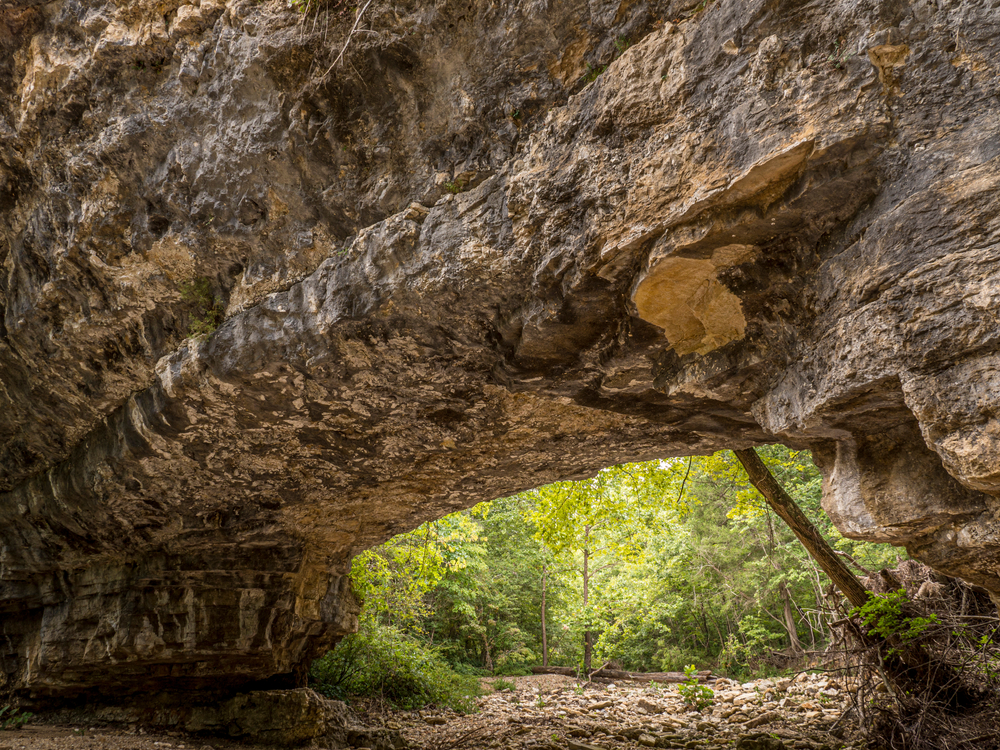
(733,236)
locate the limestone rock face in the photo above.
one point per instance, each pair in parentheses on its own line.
(451,262)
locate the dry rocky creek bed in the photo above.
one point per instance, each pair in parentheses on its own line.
(555,713)
(545,712)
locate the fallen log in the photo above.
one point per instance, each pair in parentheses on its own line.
(614,674)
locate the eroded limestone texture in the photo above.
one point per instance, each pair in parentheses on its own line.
(764,221)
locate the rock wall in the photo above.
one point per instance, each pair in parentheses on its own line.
(454,257)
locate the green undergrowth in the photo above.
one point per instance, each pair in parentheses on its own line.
(501,684)
(13,718)
(381,662)
(884,614)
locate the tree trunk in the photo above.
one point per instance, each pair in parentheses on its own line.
(790,625)
(588,644)
(802,527)
(907,665)
(545,640)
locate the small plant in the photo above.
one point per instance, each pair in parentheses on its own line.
(209,310)
(500,685)
(839,55)
(694,694)
(592,73)
(883,614)
(540,703)
(622,43)
(12,718)
(515,114)
(456,186)
(579,689)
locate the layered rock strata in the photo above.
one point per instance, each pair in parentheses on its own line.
(454,257)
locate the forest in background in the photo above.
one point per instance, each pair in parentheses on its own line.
(650,566)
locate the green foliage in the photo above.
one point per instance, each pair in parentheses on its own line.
(681,560)
(13,718)
(746,650)
(381,661)
(456,186)
(693,693)
(208,310)
(622,43)
(670,658)
(883,614)
(593,73)
(500,685)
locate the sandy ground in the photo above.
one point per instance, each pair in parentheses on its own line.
(45,737)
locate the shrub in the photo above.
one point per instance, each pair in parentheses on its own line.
(694,694)
(468,670)
(379,661)
(13,718)
(883,614)
(208,310)
(673,658)
(517,660)
(501,684)
(746,652)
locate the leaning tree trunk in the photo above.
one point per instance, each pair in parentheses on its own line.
(802,527)
(588,641)
(909,665)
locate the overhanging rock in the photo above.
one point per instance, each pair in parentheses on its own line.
(765,222)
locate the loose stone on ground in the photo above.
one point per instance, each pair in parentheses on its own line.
(552,712)
(543,712)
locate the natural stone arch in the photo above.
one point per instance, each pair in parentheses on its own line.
(186,514)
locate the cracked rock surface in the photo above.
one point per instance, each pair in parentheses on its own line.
(451,266)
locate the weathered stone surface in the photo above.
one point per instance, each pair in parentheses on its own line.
(286,718)
(766,221)
(279,717)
